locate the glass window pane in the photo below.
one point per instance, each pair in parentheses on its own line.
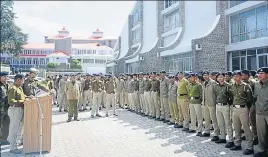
(260,51)
(243,53)
(243,63)
(263,61)
(251,63)
(236,64)
(235,54)
(251,52)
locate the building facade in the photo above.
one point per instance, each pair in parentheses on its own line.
(93,52)
(192,36)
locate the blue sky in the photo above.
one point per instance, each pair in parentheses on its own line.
(80,18)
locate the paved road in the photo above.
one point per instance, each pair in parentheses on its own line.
(128,135)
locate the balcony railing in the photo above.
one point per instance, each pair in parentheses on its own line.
(172,26)
(170,3)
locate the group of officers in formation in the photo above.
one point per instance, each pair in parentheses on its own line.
(229,102)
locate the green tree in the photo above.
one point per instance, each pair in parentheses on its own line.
(51,65)
(75,64)
(12,37)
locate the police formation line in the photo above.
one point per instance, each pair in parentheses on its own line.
(231,102)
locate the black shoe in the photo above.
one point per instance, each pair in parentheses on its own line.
(85,109)
(90,108)
(229,145)
(176,125)
(76,119)
(185,129)
(261,154)
(65,111)
(180,126)
(191,131)
(69,120)
(80,110)
(59,110)
(106,115)
(243,138)
(165,121)
(153,116)
(248,151)
(215,138)
(58,105)
(162,119)
(97,115)
(158,119)
(92,116)
(205,135)
(236,147)
(128,109)
(115,114)
(199,134)
(220,141)
(99,108)
(5,143)
(170,123)
(255,141)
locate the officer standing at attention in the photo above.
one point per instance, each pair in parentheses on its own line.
(155,106)
(87,93)
(16,99)
(183,102)
(122,93)
(260,93)
(130,87)
(141,93)
(30,84)
(118,90)
(4,118)
(62,97)
(224,99)
(252,112)
(172,98)
(164,84)
(228,77)
(243,100)
(80,81)
(97,88)
(110,97)
(136,94)
(73,90)
(147,95)
(195,105)
(126,101)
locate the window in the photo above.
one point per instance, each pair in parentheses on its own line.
(136,36)
(249,25)
(236,2)
(29,61)
(22,61)
(100,61)
(88,61)
(136,16)
(35,61)
(42,61)
(169,3)
(177,63)
(94,51)
(171,20)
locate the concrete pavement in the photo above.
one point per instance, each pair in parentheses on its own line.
(128,135)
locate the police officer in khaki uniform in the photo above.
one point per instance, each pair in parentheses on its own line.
(164,84)
(172,98)
(224,99)
(62,97)
(126,101)
(147,95)
(73,92)
(195,94)
(252,113)
(80,81)
(97,87)
(260,93)
(183,102)
(155,106)
(121,95)
(87,92)
(131,90)
(110,97)
(16,99)
(30,84)
(209,106)
(136,94)
(141,93)
(229,77)
(4,118)
(243,100)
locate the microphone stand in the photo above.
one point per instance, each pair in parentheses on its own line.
(41,117)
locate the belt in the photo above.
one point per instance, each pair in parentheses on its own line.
(239,106)
(195,98)
(182,94)
(154,90)
(16,105)
(222,104)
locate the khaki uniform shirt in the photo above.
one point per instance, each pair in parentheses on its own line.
(62,85)
(29,85)
(195,93)
(223,93)
(261,95)
(97,86)
(73,90)
(164,87)
(183,88)
(147,85)
(3,99)
(86,84)
(173,91)
(242,94)
(141,86)
(15,96)
(155,85)
(208,96)
(110,87)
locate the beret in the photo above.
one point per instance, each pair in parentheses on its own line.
(237,72)
(66,74)
(163,72)
(229,73)
(253,73)
(3,73)
(192,74)
(220,73)
(213,73)
(18,76)
(141,73)
(171,76)
(263,69)
(33,70)
(245,72)
(154,72)
(180,72)
(96,74)
(205,73)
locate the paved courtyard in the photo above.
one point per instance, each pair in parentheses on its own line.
(128,135)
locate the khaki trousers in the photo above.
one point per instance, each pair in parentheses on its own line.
(184,116)
(131,100)
(210,114)
(121,97)
(174,111)
(81,101)
(165,113)
(20,133)
(62,101)
(72,112)
(252,120)
(241,118)
(16,115)
(196,112)
(96,103)
(88,97)
(110,100)
(103,98)
(155,106)
(147,102)
(117,98)
(224,122)
(137,102)
(142,105)
(126,101)
(262,128)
